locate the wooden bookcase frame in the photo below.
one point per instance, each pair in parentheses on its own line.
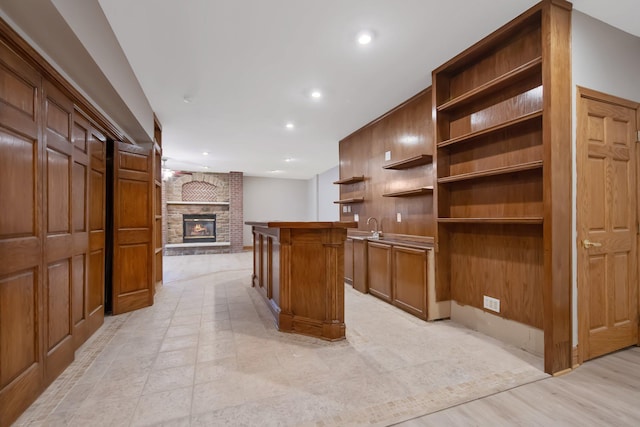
(502,118)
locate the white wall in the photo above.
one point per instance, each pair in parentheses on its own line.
(273,199)
(328,192)
(607,60)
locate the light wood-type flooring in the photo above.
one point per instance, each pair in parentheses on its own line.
(601,392)
(207,354)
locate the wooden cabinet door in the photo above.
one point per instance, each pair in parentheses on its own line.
(607,227)
(348,261)
(133,218)
(360,265)
(410,280)
(379,270)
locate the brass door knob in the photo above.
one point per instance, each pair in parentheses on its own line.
(589,244)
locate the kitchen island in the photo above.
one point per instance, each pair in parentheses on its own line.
(298,267)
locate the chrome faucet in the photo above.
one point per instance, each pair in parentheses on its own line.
(375,234)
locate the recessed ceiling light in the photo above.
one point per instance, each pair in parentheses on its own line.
(206,167)
(289,159)
(289,125)
(186,100)
(364,37)
(316,94)
(204,153)
(275,171)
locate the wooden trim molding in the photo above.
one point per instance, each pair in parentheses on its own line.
(557,289)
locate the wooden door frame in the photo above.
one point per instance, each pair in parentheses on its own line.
(585,93)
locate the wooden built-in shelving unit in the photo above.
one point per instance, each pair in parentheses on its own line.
(503,185)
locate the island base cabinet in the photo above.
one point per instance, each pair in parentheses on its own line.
(298,268)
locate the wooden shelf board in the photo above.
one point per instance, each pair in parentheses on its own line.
(351,180)
(411,162)
(352,200)
(410,193)
(493,129)
(492,172)
(519,220)
(494,85)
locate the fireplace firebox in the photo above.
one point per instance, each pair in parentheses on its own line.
(198,228)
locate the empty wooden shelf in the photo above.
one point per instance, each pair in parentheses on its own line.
(411,162)
(509,124)
(524,220)
(537,164)
(351,200)
(530,68)
(351,180)
(410,193)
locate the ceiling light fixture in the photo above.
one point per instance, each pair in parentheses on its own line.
(316,94)
(364,37)
(289,125)
(186,100)
(204,153)
(289,159)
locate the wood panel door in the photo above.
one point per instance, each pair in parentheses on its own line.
(95,289)
(607,224)
(61,266)
(21,328)
(133,219)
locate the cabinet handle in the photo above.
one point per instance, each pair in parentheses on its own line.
(589,244)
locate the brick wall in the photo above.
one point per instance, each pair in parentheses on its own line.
(197,187)
(235,211)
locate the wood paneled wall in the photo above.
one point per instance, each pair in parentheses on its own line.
(53,239)
(51,234)
(406,132)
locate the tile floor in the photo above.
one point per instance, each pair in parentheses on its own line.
(207,354)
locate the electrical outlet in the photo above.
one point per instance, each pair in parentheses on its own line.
(399,217)
(387,156)
(492,304)
(356,217)
(344,209)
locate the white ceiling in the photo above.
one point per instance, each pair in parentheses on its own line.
(247,67)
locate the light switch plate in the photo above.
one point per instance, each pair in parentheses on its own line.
(399,217)
(356,217)
(387,156)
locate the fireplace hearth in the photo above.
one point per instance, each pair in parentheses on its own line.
(198,228)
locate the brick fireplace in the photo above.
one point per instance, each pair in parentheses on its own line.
(202,213)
